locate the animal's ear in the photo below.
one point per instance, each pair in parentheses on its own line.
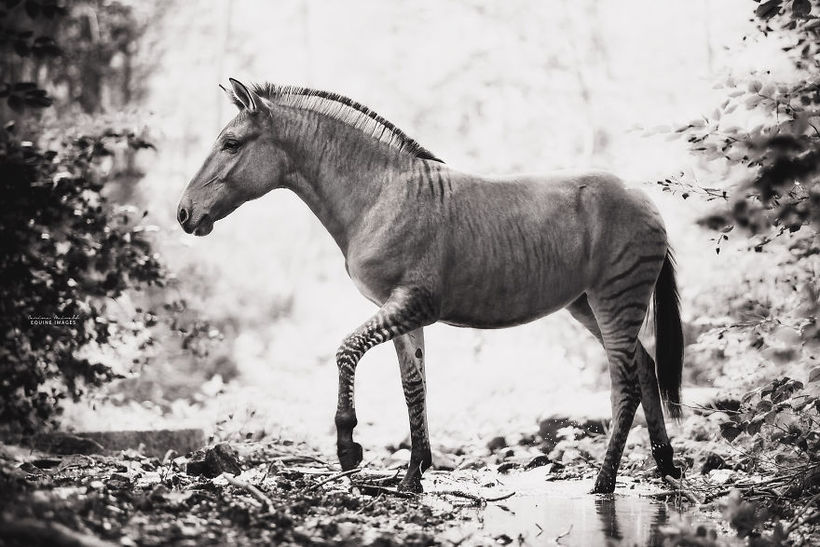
(229,94)
(244,97)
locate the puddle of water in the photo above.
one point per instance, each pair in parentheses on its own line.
(541,511)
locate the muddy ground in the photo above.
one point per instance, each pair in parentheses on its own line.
(532,490)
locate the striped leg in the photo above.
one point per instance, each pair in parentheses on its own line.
(410,350)
(651,402)
(620,308)
(650,397)
(625,396)
(404,311)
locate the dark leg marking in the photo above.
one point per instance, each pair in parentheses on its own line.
(651,402)
(625,399)
(619,319)
(414,384)
(406,309)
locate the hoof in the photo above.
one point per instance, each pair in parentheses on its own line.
(350,455)
(412,480)
(604,485)
(663,458)
(412,485)
(672,471)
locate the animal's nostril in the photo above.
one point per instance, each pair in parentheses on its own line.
(182,215)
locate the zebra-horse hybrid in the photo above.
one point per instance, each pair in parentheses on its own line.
(427,243)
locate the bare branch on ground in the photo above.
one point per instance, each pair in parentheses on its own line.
(335,477)
(565,534)
(251,489)
(685,491)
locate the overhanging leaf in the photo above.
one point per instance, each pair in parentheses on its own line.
(769,9)
(764,406)
(753,428)
(730,431)
(801,8)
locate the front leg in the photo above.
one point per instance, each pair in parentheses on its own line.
(410,350)
(407,309)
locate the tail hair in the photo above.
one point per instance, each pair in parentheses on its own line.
(668,337)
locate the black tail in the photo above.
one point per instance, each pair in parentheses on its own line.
(668,337)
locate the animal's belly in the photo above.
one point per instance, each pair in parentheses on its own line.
(505,308)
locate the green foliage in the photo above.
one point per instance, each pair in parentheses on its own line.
(67,252)
(776,142)
(783,422)
(79,54)
(73,257)
(27,44)
(773,465)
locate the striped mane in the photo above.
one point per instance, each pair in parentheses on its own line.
(345,110)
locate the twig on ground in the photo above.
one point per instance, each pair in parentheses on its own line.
(294,459)
(460,494)
(679,486)
(661,494)
(337,476)
(308,471)
(381,477)
(565,534)
(369,489)
(375,475)
(779,478)
(474,497)
(707,409)
(710,497)
(369,503)
(251,489)
(500,498)
(756,485)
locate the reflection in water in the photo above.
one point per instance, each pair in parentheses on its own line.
(655,537)
(542,511)
(605,507)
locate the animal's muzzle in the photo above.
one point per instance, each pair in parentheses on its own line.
(184,217)
(194,221)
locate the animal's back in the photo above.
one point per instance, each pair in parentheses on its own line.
(522,247)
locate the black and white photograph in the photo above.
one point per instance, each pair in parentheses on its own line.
(410,273)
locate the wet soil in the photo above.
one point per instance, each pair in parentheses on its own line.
(546,512)
(288,494)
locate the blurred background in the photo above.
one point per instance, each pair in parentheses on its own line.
(239,336)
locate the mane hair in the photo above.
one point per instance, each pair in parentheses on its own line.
(345,110)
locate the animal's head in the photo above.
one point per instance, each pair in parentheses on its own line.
(244,164)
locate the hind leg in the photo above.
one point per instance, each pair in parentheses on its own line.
(620,343)
(650,396)
(625,398)
(651,402)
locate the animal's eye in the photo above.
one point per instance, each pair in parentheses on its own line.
(231,145)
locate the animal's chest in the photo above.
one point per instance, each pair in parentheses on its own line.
(375,274)
(387,250)
(370,286)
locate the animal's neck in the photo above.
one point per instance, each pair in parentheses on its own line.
(336,170)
